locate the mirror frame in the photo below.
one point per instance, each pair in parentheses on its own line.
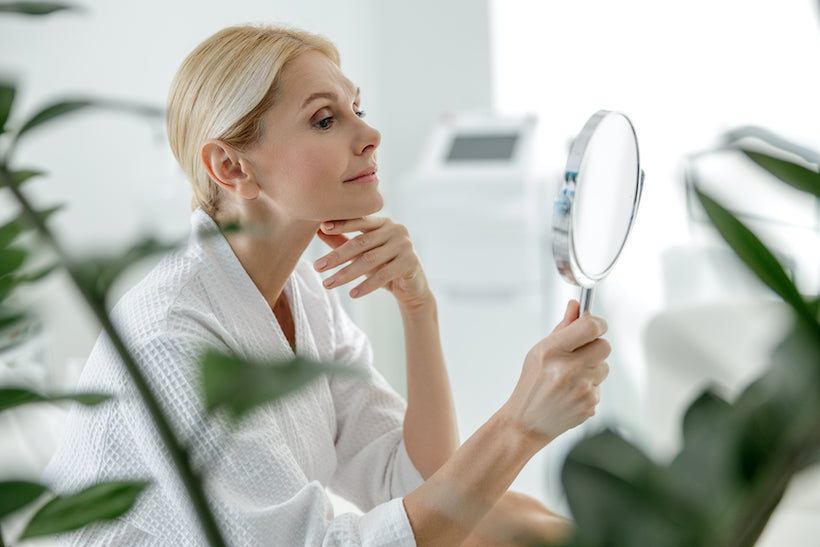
(563,247)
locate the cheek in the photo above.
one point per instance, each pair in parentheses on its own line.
(310,166)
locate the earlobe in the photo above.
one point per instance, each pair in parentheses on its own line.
(224,165)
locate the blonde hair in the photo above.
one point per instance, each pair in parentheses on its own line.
(223,88)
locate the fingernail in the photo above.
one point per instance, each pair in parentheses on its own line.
(327,226)
(354,293)
(328,282)
(320,264)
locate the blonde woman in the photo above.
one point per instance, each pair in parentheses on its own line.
(270,133)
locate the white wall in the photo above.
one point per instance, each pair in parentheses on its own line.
(116,174)
(684,73)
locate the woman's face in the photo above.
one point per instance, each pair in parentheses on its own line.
(316,158)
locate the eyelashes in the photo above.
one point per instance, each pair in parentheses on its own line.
(328,121)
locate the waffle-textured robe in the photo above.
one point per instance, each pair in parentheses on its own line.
(266,479)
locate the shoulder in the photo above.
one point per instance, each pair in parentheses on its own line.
(172,288)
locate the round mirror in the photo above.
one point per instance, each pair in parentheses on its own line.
(597,202)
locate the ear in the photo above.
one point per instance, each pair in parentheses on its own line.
(226,168)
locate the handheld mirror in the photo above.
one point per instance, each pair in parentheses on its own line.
(597,203)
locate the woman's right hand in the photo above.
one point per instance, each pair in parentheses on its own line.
(559,384)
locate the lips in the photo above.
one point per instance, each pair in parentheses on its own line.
(367,175)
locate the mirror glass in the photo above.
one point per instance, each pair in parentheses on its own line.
(596,205)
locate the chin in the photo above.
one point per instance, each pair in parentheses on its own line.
(367,207)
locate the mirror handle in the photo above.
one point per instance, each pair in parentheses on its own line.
(585,301)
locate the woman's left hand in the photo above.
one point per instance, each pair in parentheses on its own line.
(519,520)
(382,252)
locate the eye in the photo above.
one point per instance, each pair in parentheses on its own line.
(324,123)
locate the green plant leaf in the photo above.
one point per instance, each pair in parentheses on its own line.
(11,397)
(50,113)
(240,386)
(43,215)
(9,232)
(11,260)
(616,498)
(814,307)
(110,270)
(704,410)
(19,177)
(7,284)
(795,175)
(97,275)
(34,8)
(6,100)
(104,501)
(752,251)
(15,495)
(10,319)
(36,275)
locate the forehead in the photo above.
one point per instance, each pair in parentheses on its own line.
(312,72)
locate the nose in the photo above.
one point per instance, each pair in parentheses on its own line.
(368,138)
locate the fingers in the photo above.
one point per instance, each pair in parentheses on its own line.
(382,252)
(364,224)
(571,314)
(579,332)
(396,269)
(367,251)
(344,248)
(601,372)
(332,240)
(593,353)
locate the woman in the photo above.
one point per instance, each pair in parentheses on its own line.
(270,133)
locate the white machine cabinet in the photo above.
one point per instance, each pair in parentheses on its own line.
(475,211)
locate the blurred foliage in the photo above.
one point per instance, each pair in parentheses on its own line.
(737,458)
(101,502)
(230,382)
(239,386)
(12,397)
(34,8)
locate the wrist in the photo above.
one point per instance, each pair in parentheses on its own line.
(526,439)
(424,305)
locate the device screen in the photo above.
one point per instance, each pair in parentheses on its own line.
(482,147)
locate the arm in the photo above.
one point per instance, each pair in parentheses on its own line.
(558,388)
(430,431)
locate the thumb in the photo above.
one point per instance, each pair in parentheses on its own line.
(332,240)
(571,314)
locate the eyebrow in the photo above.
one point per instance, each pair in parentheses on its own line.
(325,95)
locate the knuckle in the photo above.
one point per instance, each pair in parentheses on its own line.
(543,354)
(370,257)
(361,241)
(589,329)
(382,276)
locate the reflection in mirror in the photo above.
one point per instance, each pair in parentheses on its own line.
(596,206)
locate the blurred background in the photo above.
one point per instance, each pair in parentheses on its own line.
(682,312)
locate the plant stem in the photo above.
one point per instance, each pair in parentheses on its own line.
(179,456)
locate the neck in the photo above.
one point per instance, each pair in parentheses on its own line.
(269,249)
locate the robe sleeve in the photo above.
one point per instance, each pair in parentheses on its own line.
(373,465)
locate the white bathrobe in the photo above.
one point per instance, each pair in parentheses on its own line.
(266,479)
